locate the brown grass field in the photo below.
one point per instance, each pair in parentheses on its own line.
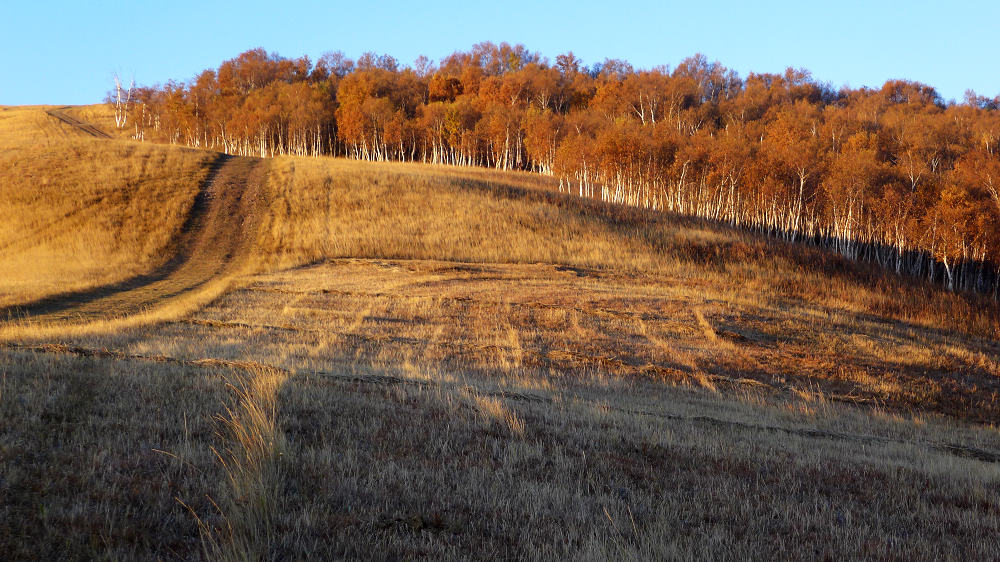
(397,361)
(78,214)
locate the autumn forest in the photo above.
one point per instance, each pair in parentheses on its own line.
(894,176)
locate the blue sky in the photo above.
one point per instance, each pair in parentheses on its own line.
(68,52)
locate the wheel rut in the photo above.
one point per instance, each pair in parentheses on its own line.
(92,130)
(215,242)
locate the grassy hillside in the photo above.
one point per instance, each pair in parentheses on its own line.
(324,208)
(79,212)
(443,363)
(774,312)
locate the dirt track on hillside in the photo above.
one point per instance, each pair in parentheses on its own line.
(215,242)
(88,128)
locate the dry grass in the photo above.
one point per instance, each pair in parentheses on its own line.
(103,117)
(172,310)
(375,459)
(25,127)
(538,325)
(78,212)
(325,208)
(94,454)
(250,459)
(481,367)
(331,208)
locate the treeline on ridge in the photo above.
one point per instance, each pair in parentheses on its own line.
(892,175)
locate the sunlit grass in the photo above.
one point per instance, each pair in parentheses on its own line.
(79,212)
(433,362)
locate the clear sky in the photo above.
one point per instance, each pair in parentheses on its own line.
(67,52)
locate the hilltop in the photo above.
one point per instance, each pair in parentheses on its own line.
(290,356)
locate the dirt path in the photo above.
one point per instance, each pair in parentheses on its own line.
(91,130)
(214,242)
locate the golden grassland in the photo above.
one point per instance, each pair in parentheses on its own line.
(323,208)
(78,212)
(431,362)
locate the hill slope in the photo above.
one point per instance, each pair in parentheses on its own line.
(777,313)
(100,231)
(79,213)
(454,363)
